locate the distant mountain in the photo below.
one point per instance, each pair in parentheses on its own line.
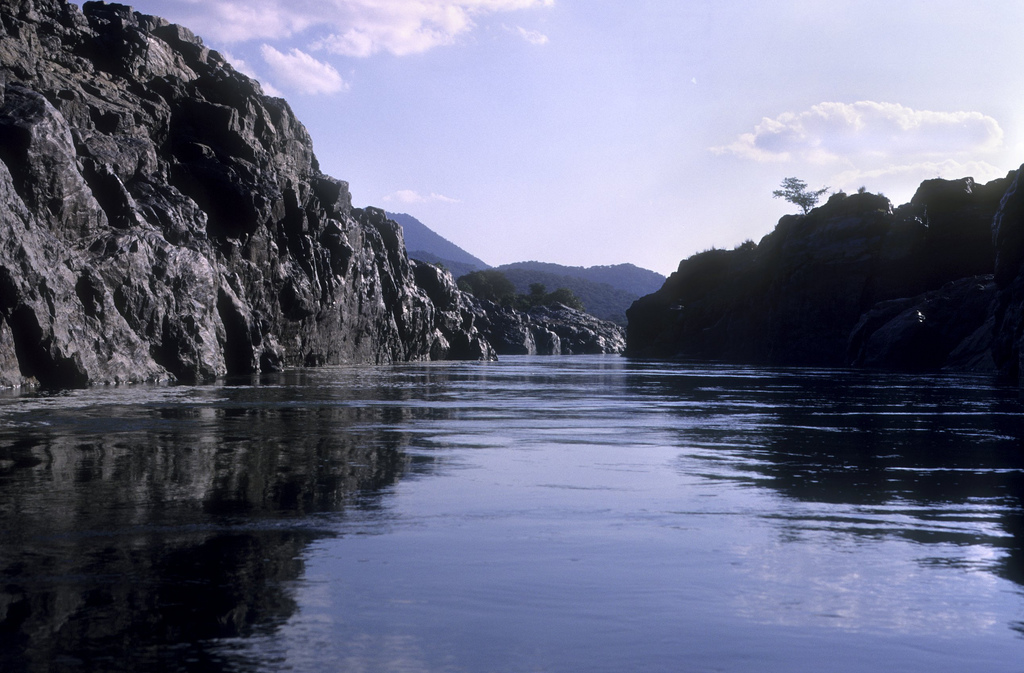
(627,277)
(606,291)
(428,246)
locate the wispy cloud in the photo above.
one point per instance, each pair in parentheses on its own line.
(238,21)
(532,36)
(869,132)
(357,28)
(412,196)
(299,71)
(875,144)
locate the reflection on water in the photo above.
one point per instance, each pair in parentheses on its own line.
(140,523)
(562,514)
(932,459)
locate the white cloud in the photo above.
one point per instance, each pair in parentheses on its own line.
(299,71)
(869,132)
(412,196)
(876,144)
(532,36)
(404,196)
(353,27)
(238,21)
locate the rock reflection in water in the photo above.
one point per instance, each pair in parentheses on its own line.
(139,524)
(930,451)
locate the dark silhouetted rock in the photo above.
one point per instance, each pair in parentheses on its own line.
(946,328)
(1008,317)
(855,282)
(163,219)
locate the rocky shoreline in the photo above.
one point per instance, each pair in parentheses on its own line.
(547,330)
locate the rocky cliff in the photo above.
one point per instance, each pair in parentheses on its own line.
(936,283)
(162,219)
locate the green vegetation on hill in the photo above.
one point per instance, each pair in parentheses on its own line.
(627,277)
(495,286)
(489,285)
(600,300)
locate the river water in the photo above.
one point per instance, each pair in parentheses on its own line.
(534,514)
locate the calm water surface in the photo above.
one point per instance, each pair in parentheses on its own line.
(536,514)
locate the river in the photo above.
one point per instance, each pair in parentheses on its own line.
(585,513)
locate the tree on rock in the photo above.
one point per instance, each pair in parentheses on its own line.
(565,297)
(495,286)
(489,284)
(795,191)
(539,296)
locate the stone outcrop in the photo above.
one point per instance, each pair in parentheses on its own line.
(936,283)
(547,330)
(455,334)
(163,219)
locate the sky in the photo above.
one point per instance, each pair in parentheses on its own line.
(592,132)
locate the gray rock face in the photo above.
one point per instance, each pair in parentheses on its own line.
(545,330)
(452,333)
(162,219)
(934,284)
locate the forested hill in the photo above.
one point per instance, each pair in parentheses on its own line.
(599,299)
(626,277)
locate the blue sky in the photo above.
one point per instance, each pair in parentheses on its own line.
(590,132)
